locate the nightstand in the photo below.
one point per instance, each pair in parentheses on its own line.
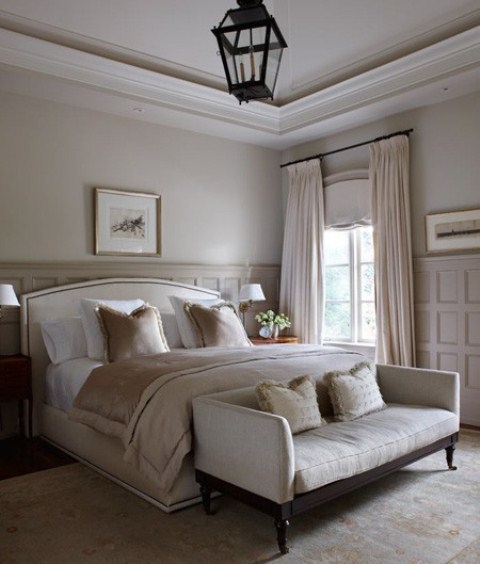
(282,340)
(16,384)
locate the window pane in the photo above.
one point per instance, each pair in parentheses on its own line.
(349,288)
(366,244)
(337,321)
(367,322)
(367,282)
(336,246)
(337,283)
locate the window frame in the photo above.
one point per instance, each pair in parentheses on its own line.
(356,302)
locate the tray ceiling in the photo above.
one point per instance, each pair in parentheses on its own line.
(348,61)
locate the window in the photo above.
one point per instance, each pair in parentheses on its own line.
(349,286)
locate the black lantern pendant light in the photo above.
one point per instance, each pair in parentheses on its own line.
(251,45)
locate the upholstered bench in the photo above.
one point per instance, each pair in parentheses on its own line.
(251,454)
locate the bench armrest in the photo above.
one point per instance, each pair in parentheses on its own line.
(249,448)
(419,386)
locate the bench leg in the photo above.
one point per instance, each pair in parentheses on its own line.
(281,526)
(450,450)
(206,492)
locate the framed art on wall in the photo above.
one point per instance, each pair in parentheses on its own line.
(453,231)
(127,223)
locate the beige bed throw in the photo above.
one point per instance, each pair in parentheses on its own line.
(147,401)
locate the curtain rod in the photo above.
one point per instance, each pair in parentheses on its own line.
(321,155)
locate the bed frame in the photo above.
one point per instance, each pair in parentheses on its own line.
(104,454)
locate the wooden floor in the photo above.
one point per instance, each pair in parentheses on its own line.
(22,456)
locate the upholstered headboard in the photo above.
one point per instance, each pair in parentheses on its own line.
(64,301)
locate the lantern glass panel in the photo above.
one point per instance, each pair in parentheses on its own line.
(274,58)
(250,50)
(228,42)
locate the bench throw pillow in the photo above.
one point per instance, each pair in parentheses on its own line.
(354,393)
(127,335)
(295,400)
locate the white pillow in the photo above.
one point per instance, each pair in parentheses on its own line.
(91,323)
(190,337)
(64,339)
(170,329)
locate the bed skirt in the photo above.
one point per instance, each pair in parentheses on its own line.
(105,455)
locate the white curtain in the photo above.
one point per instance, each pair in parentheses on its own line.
(301,288)
(390,201)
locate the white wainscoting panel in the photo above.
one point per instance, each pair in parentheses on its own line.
(447,319)
(226,279)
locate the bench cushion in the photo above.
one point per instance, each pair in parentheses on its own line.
(351,447)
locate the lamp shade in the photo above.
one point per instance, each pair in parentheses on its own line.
(8,296)
(251,45)
(252,293)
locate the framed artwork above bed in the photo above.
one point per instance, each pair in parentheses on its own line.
(127,223)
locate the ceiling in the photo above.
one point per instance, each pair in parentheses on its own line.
(348,61)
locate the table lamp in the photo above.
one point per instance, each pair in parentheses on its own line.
(250,293)
(7,297)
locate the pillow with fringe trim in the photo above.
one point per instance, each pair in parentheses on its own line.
(218,325)
(354,393)
(127,335)
(295,400)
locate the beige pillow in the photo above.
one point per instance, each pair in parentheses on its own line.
(188,332)
(128,335)
(354,393)
(218,325)
(295,400)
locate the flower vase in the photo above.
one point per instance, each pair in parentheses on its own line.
(275,331)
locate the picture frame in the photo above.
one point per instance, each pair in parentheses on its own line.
(453,231)
(127,223)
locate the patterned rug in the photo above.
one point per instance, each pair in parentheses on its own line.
(421,514)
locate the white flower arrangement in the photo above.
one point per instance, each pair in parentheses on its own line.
(271,319)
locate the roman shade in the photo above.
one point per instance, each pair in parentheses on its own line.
(347,200)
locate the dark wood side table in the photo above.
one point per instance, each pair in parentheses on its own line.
(16,384)
(282,340)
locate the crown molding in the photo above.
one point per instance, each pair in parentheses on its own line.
(275,126)
(89,44)
(385,53)
(36,55)
(429,65)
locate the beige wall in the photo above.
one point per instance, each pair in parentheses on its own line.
(219,198)
(445,157)
(445,176)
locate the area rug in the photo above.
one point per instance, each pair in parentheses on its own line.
(421,514)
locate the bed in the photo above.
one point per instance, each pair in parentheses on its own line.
(158,433)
